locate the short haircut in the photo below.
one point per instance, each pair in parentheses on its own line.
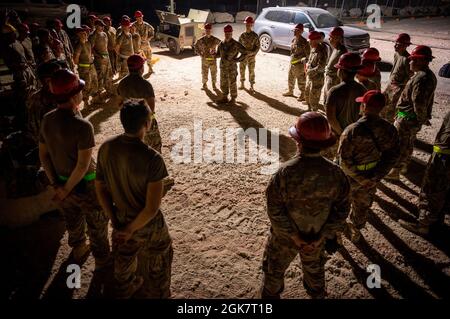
(134,115)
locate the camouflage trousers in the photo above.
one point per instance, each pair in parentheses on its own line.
(153,137)
(122,66)
(434,198)
(24,85)
(147,49)
(250,63)
(104,73)
(81,208)
(361,199)
(407,132)
(113,60)
(313,89)
(297,73)
(228,74)
(392,94)
(148,254)
(89,75)
(278,255)
(209,66)
(329,82)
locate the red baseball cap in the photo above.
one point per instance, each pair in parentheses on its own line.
(337,32)
(135,62)
(228,28)
(314,35)
(403,38)
(138,14)
(373,99)
(208,26)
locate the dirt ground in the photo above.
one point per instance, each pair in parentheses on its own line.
(216,212)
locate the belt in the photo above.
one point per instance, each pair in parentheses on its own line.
(124,56)
(210,59)
(366,167)
(84,65)
(89,177)
(104,54)
(439,150)
(295,61)
(406,115)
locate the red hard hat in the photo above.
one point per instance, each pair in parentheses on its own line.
(208,26)
(421,52)
(125,23)
(349,61)
(368,69)
(371,54)
(228,28)
(65,84)
(58,22)
(299,26)
(86,28)
(138,14)
(314,35)
(403,38)
(249,20)
(313,130)
(135,62)
(337,32)
(107,19)
(373,99)
(93,17)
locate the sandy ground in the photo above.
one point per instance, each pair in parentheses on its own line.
(217,214)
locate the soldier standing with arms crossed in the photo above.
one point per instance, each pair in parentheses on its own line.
(250,40)
(205,47)
(146,32)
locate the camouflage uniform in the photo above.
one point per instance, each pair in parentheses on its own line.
(111,32)
(28,49)
(137,43)
(368,150)
(308,196)
(39,104)
(413,110)
(86,69)
(125,42)
(250,41)
(376,78)
(68,49)
(99,42)
(146,32)
(299,49)
(434,198)
(314,76)
(368,84)
(398,78)
(228,53)
(331,77)
(204,46)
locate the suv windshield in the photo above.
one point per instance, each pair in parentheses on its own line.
(324,20)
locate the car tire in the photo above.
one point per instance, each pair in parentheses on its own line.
(174,47)
(266,42)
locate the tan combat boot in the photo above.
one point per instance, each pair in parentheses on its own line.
(204,87)
(252,88)
(242,87)
(288,93)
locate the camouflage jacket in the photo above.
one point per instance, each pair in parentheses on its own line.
(309,196)
(39,104)
(250,41)
(145,30)
(370,140)
(111,32)
(205,45)
(125,44)
(443,136)
(229,52)
(368,84)
(400,72)
(330,70)
(299,49)
(317,61)
(418,97)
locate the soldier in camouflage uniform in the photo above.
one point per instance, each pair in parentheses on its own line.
(315,68)
(205,47)
(25,41)
(337,43)
(65,40)
(65,149)
(250,40)
(434,198)
(130,187)
(111,32)
(124,47)
(228,51)
(341,107)
(99,42)
(136,40)
(399,76)
(84,59)
(363,75)
(146,32)
(373,55)
(299,54)
(368,150)
(307,204)
(41,102)
(414,107)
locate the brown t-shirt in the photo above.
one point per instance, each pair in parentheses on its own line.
(134,86)
(127,166)
(65,133)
